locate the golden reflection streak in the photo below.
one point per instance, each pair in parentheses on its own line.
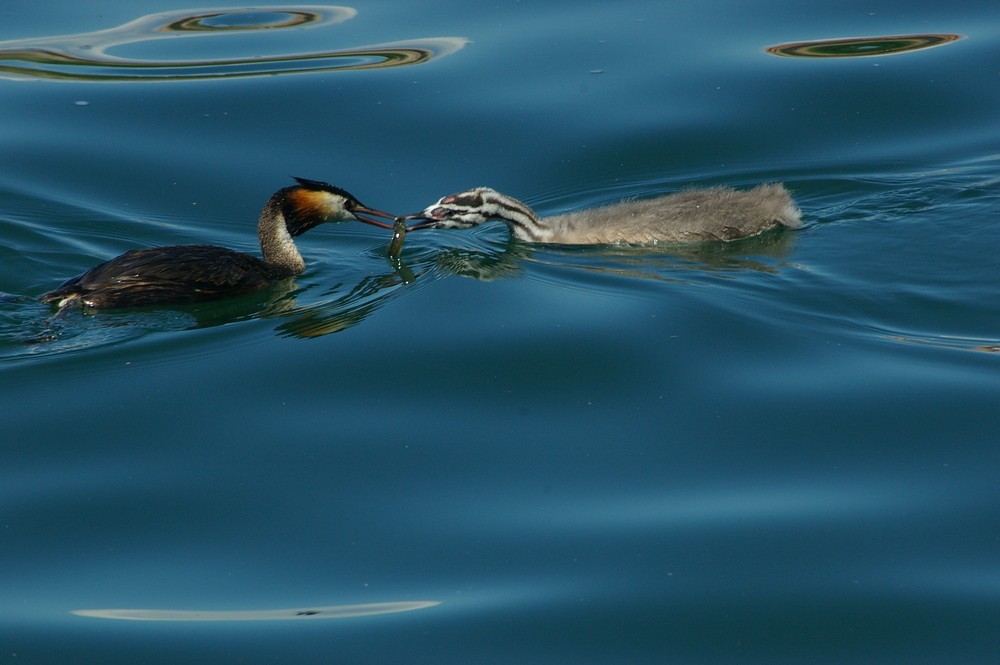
(950,343)
(327,612)
(298,17)
(83,57)
(861,47)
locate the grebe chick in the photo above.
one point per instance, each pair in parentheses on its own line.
(191,273)
(696,215)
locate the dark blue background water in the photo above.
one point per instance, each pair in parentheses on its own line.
(778,451)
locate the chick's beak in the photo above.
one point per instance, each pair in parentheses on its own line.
(427,223)
(360,211)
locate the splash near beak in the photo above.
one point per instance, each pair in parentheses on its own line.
(360,211)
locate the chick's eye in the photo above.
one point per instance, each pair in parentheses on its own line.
(443,213)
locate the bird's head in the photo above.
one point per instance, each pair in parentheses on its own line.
(460,211)
(311,203)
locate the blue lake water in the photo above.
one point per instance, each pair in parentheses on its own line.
(780,450)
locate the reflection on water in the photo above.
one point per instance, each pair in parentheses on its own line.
(659,262)
(861,46)
(328,612)
(345,311)
(29,329)
(253,19)
(948,342)
(25,332)
(83,57)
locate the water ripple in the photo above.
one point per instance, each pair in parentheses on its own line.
(84,57)
(329,612)
(856,47)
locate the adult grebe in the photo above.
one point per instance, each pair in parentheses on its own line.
(697,215)
(191,273)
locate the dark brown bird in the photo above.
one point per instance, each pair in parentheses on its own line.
(192,273)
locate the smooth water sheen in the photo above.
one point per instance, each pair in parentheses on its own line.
(780,450)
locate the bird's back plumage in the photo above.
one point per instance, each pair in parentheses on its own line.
(697,215)
(177,273)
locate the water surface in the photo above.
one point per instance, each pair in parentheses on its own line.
(781,450)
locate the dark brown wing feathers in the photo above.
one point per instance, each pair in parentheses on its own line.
(179,273)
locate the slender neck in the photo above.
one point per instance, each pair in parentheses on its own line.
(522,220)
(276,242)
